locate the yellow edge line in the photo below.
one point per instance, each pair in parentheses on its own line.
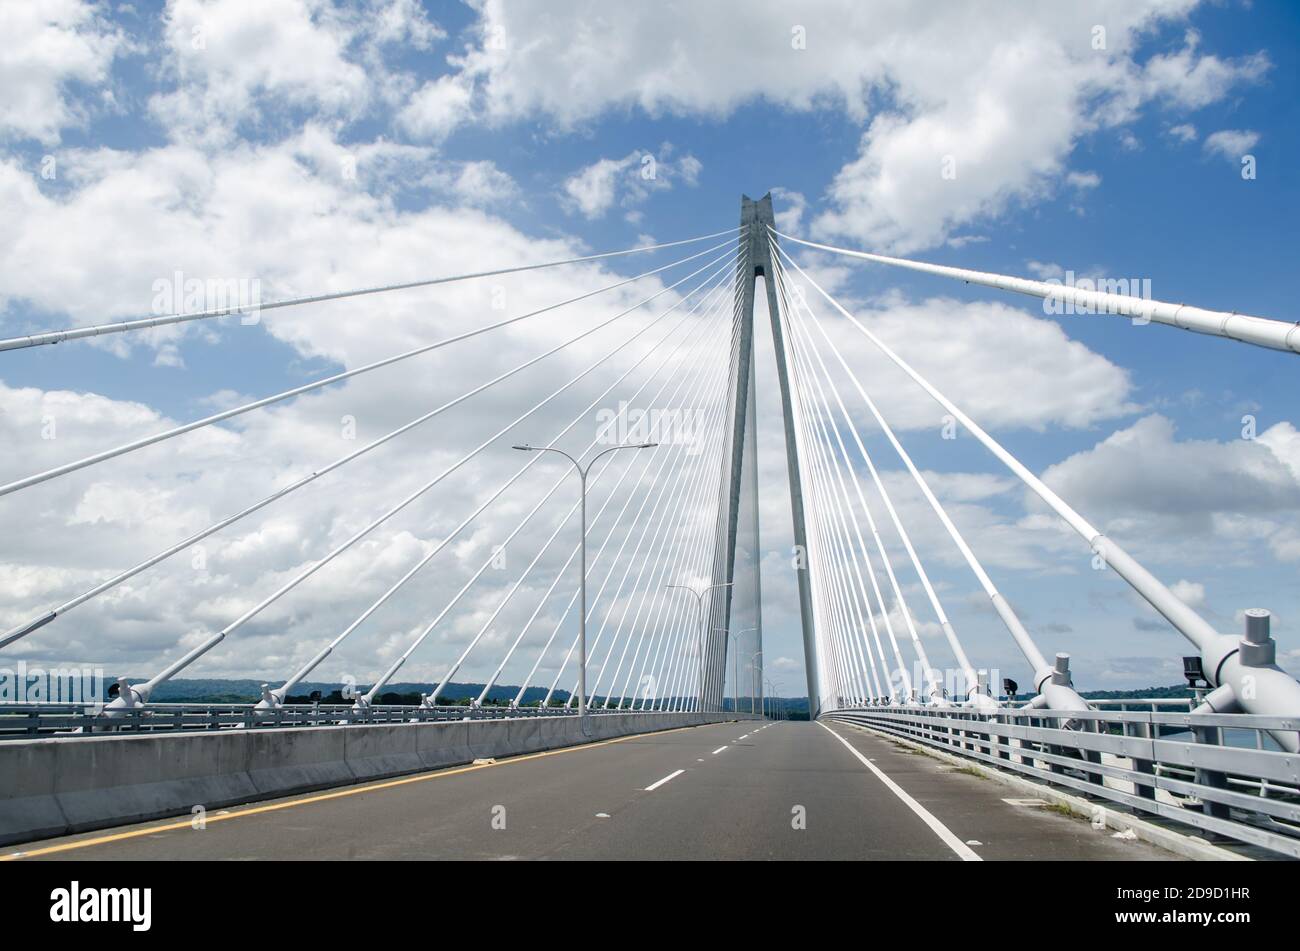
(338,794)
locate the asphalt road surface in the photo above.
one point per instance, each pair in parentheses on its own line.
(746,790)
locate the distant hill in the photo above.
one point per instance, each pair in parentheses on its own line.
(217,690)
(201,690)
(1178,691)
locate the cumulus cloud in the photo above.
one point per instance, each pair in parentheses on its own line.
(1191,593)
(227,191)
(1018,370)
(1158,492)
(436,108)
(131,219)
(996,93)
(1231,144)
(1193,80)
(48,48)
(593,190)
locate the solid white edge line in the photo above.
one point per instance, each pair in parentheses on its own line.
(942,831)
(653,786)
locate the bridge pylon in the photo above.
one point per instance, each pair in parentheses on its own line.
(738,511)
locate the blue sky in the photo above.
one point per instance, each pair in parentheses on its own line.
(224,160)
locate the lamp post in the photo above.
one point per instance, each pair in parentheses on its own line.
(753,678)
(772,689)
(699,600)
(735,665)
(582,620)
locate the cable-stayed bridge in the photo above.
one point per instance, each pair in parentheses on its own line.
(638,604)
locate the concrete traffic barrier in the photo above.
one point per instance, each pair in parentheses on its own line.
(59,785)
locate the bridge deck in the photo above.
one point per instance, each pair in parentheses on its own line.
(733,798)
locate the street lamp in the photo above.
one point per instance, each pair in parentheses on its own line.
(582,621)
(753,675)
(735,665)
(774,692)
(699,599)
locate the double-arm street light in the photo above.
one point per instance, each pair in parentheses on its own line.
(753,678)
(699,600)
(735,662)
(582,622)
(772,691)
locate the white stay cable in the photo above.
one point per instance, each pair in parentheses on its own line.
(1190,624)
(451,672)
(661,496)
(143,690)
(576,419)
(656,537)
(801,361)
(141,443)
(644,535)
(653,592)
(828,620)
(833,538)
(885,614)
(659,562)
(822,412)
(428,556)
(1260,331)
(958,651)
(671,649)
(34,624)
(144,323)
(1021,636)
(657,487)
(644,466)
(833,498)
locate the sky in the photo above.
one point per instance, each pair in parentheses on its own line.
(319,145)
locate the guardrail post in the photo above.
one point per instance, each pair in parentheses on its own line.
(1144,766)
(1209,777)
(1004,742)
(1093,756)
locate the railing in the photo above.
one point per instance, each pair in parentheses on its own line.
(1220,773)
(30,720)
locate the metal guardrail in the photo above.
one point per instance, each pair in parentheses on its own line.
(1222,774)
(40,720)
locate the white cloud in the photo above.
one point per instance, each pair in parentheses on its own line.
(1183,132)
(593,190)
(47,47)
(1017,370)
(234,63)
(1196,500)
(1003,89)
(789,208)
(1193,80)
(129,218)
(482,183)
(1232,144)
(1045,270)
(436,108)
(1191,593)
(400,21)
